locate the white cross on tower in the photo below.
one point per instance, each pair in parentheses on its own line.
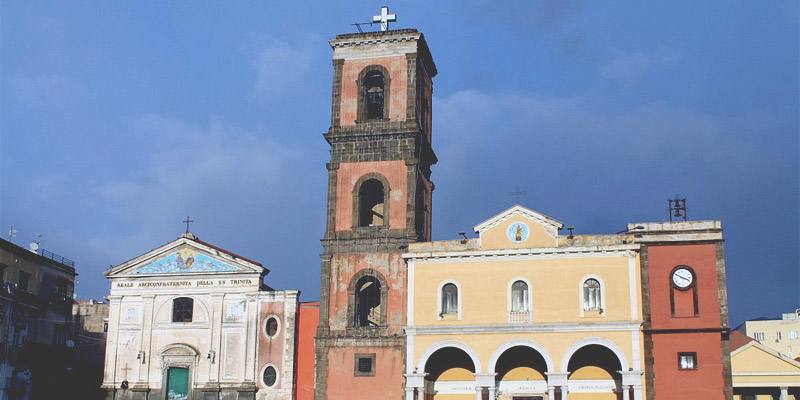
(384,18)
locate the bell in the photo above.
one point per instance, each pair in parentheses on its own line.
(678,213)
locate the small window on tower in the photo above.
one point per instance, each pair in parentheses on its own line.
(373,87)
(687,360)
(365,365)
(271,327)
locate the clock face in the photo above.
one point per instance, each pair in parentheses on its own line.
(682,278)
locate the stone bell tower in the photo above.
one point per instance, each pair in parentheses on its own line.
(379,201)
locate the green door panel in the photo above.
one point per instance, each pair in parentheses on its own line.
(178,384)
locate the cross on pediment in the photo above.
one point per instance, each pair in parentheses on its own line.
(517,194)
(187,221)
(384,18)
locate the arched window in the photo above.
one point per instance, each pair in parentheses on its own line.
(449,299)
(374,89)
(270,376)
(683,292)
(519,297)
(367,302)
(591,295)
(182,309)
(371,207)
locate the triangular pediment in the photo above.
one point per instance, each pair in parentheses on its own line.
(185,256)
(754,357)
(516,227)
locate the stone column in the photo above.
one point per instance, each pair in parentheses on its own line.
(564,392)
(415,381)
(551,392)
(492,390)
(784,393)
(557,379)
(637,392)
(632,378)
(484,381)
(626,392)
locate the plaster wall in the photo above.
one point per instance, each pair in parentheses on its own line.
(555,285)
(346,265)
(702,259)
(705,382)
(497,238)
(307,321)
(398,74)
(771,329)
(394,172)
(388,380)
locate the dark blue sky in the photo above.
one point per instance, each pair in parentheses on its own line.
(120,118)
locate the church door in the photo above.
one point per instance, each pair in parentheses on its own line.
(178,384)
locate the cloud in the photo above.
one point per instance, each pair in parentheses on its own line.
(191,168)
(118,191)
(46,90)
(281,66)
(540,14)
(627,69)
(576,153)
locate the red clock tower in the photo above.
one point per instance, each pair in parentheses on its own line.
(685,306)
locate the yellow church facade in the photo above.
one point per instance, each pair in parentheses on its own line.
(761,373)
(524,313)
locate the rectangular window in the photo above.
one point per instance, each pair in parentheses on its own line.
(3,269)
(759,336)
(24,280)
(59,335)
(778,336)
(365,365)
(64,288)
(792,335)
(687,360)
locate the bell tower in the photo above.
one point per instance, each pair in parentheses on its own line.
(379,201)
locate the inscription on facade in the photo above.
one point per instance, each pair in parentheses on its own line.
(186,284)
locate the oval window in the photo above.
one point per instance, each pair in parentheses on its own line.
(272,326)
(270,376)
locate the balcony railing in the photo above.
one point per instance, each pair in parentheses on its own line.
(57,258)
(519,317)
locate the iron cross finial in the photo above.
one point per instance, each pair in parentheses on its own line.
(187,221)
(517,194)
(384,18)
